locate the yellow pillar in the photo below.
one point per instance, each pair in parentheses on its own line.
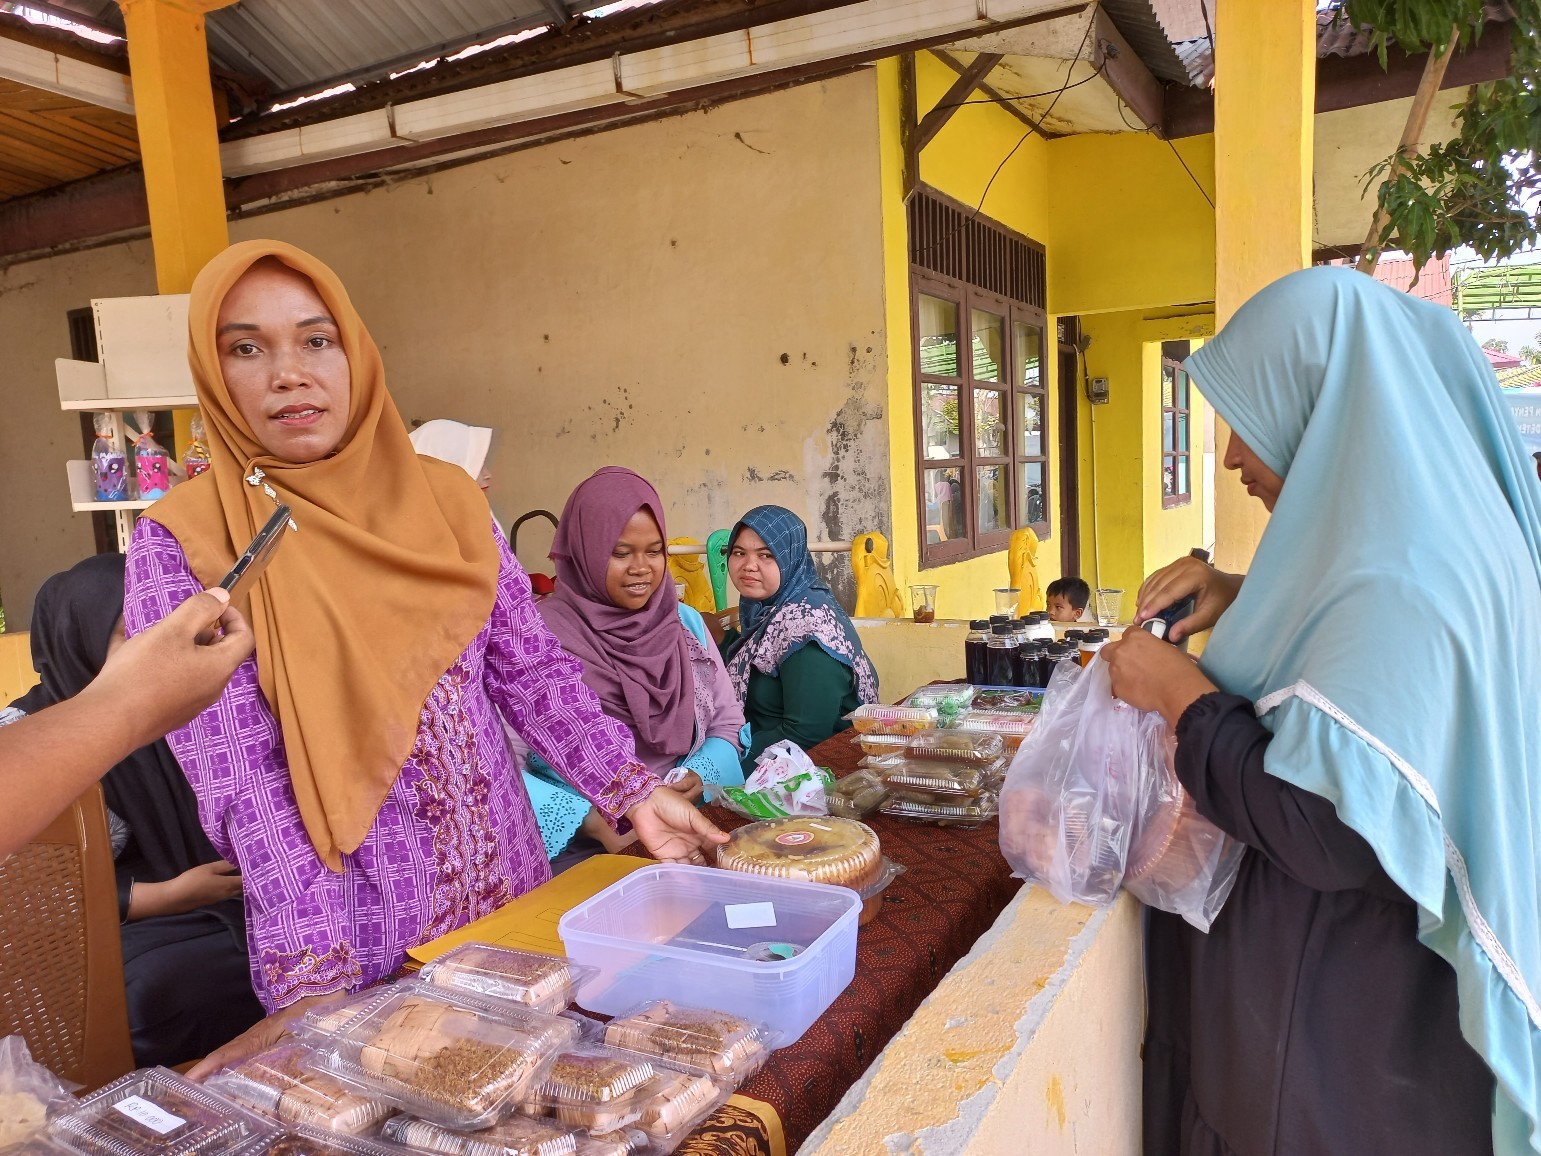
(168,58)
(1265,93)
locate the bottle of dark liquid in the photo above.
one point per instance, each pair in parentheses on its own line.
(999,655)
(975,660)
(1025,669)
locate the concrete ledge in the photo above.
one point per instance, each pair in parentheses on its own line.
(1029,1045)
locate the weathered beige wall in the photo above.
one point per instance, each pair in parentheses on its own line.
(1030,1044)
(39,535)
(700,298)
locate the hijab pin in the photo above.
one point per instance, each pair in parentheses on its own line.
(257,478)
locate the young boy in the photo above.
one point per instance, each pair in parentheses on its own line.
(1067,599)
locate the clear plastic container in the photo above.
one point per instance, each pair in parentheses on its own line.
(876,719)
(1007,698)
(936,778)
(1011,726)
(958,813)
(516,1135)
(673,1104)
(695,935)
(284,1082)
(303,1141)
(157,1111)
(593,1086)
(971,748)
(721,1044)
(948,699)
(448,1060)
(857,795)
(546,983)
(626,1142)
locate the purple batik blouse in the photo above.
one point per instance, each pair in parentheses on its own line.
(456,837)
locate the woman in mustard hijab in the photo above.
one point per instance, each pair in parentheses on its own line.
(355,769)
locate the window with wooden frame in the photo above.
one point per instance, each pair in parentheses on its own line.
(1176,426)
(980,387)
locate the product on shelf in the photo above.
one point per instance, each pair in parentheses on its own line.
(875,719)
(109,465)
(282,1081)
(544,982)
(717,1042)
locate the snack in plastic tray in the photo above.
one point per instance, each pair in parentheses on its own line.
(156,1111)
(857,795)
(675,1101)
(948,699)
(282,1081)
(515,1135)
(876,719)
(937,778)
(594,1086)
(957,813)
(971,748)
(1011,726)
(621,1143)
(717,1042)
(1004,698)
(303,1141)
(544,982)
(454,1061)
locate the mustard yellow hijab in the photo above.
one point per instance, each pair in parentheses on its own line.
(390,575)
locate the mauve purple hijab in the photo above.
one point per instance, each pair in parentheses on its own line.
(636,661)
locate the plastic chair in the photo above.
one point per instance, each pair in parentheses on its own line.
(61,961)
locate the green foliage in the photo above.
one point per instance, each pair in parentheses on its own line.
(1496,345)
(1530,355)
(1480,188)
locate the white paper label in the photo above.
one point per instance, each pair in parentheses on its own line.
(750,914)
(152,1116)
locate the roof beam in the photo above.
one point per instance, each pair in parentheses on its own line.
(953,99)
(1353,81)
(1009,104)
(1126,73)
(560,16)
(53,72)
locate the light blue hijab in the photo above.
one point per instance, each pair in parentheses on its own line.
(1389,626)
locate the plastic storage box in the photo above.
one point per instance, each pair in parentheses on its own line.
(766,949)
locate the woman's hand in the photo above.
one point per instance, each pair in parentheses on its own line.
(672,830)
(194,888)
(263,1034)
(1212,590)
(1150,674)
(690,785)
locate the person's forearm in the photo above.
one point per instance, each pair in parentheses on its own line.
(149,900)
(48,759)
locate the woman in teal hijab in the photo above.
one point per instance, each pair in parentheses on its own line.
(1365,719)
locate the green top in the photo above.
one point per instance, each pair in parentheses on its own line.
(805,701)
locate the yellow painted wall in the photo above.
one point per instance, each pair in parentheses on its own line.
(1130,230)
(16,673)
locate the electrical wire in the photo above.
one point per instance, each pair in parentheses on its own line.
(1189,171)
(1054,92)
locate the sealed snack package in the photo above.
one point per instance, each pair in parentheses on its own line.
(593,1086)
(451,1060)
(157,1111)
(1092,803)
(546,983)
(876,719)
(784,782)
(284,1082)
(152,464)
(949,779)
(947,699)
(922,808)
(720,1043)
(1017,701)
(857,795)
(26,1091)
(195,458)
(516,1135)
(1011,726)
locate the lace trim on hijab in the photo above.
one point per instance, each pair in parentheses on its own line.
(794,626)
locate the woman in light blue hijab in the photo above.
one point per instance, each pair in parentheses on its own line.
(1366,719)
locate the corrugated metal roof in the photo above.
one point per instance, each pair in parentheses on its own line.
(1136,19)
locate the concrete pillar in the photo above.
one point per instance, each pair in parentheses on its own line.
(1265,92)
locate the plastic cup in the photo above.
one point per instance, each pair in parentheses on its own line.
(1006,599)
(923,603)
(1109,601)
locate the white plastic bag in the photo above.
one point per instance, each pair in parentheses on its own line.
(784,782)
(1092,803)
(27,1089)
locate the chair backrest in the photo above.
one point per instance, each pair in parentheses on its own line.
(61,961)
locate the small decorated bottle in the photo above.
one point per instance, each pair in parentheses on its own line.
(109,465)
(152,464)
(195,458)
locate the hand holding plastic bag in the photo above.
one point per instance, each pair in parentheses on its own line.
(1092,803)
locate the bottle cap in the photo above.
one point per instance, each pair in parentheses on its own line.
(979,624)
(1001,629)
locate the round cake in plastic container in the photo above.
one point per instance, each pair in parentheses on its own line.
(815,849)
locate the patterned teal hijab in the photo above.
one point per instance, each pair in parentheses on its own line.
(1389,627)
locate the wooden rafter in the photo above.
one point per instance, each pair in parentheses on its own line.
(953,99)
(1127,75)
(1005,102)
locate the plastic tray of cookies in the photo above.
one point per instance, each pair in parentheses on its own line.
(718,1043)
(1011,726)
(546,983)
(949,813)
(970,748)
(303,1141)
(876,719)
(455,1061)
(949,779)
(515,1135)
(154,1110)
(285,1082)
(856,796)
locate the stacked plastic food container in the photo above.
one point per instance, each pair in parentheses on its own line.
(940,757)
(480,1054)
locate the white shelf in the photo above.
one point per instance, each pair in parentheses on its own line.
(83,486)
(125,404)
(83,386)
